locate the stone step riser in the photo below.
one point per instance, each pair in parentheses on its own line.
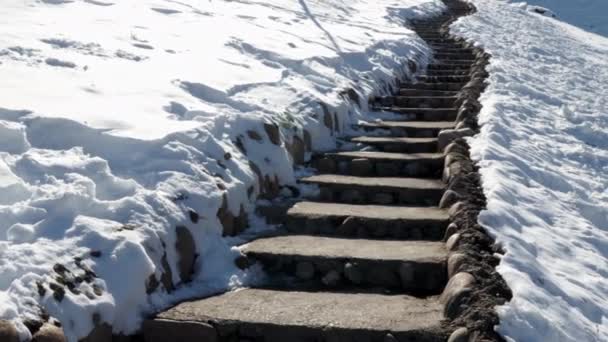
(448,66)
(365,195)
(424,168)
(447,73)
(344,226)
(420,278)
(405,147)
(416,102)
(444,79)
(405,132)
(429,93)
(422,114)
(438,86)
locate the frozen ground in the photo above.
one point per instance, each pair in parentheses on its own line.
(543,152)
(118,118)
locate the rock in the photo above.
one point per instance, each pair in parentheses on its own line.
(383,198)
(459,287)
(459,335)
(331,279)
(390,338)
(453,242)
(448,199)
(254,135)
(325,165)
(274,135)
(226,218)
(451,157)
(166,277)
(450,230)
(49,333)
(455,262)
(353,273)
(446,136)
(361,167)
(8,332)
(186,250)
(328,120)
(456,208)
(307,140)
(297,150)
(305,270)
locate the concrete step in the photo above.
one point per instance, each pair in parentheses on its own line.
(425,114)
(388,164)
(455,50)
(453,55)
(443,79)
(295,316)
(377,190)
(421,129)
(424,92)
(364,221)
(414,267)
(417,101)
(399,144)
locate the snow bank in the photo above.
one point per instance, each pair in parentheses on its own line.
(586,14)
(123,120)
(543,152)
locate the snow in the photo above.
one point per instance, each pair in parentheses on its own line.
(589,15)
(118,118)
(543,153)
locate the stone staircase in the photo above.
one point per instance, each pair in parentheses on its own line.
(366,260)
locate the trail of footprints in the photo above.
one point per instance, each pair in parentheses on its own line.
(366,261)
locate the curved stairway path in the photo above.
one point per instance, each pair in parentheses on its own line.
(367,259)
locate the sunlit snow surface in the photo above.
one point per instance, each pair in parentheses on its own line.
(543,152)
(118,117)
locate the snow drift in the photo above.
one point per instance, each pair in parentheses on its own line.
(543,153)
(126,124)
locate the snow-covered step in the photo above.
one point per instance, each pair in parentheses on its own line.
(376,221)
(377,190)
(275,315)
(388,164)
(415,267)
(424,129)
(399,144)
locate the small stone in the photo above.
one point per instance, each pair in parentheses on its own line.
(305,270)
(448,199)
(254,135)
(331,279)
(8,332)
(459,287)
(459,335)
(49,333)
(450,230)
(456,208)
(352,272)
(390,338)
(186,250)
(272,130)
(361,167)
(194,217)
(455,262)
(453,242)
(383,198)
(446,136)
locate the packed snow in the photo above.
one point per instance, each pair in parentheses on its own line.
(543,153)
(118,119)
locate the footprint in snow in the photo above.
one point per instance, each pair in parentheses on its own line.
(59,63)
